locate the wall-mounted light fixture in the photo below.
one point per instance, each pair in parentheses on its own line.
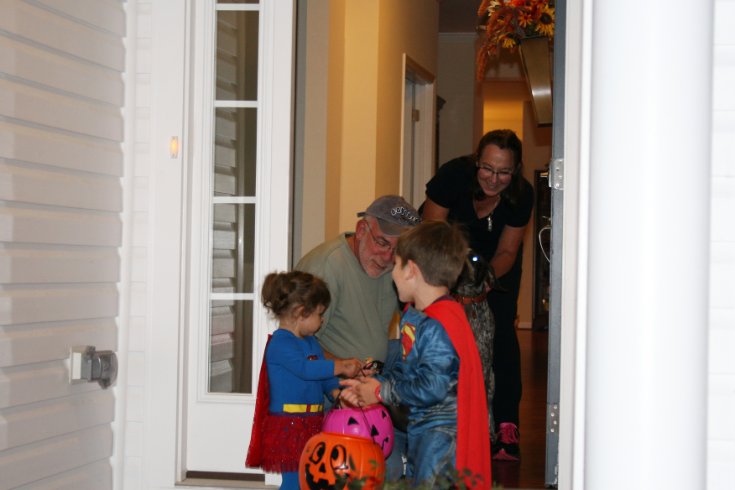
(173,147)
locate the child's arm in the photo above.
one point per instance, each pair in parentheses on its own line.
(339,398)
(428,375)
(348,368)
(290,355)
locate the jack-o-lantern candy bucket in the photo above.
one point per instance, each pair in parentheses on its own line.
(372,422)
(330,461)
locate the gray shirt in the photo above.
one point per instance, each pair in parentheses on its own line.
(356,322)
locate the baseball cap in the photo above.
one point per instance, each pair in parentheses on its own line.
(393,214)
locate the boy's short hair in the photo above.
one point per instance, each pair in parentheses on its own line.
(438,248)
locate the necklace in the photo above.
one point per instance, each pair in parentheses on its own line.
(490,212)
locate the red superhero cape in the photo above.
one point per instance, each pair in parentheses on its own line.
(255,457)
(473,435)
(276,442)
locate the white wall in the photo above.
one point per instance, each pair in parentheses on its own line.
(721,410)
(459,118)
(354,159)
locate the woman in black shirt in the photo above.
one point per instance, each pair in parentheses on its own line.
(486,192)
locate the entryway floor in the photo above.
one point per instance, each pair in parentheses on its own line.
(529,472)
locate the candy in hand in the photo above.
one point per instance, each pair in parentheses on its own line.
(373,365)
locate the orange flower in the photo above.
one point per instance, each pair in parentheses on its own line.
(525,18)
(507,22)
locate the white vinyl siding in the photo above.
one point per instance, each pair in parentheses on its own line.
(61,161)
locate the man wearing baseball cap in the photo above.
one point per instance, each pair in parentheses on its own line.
(355,266)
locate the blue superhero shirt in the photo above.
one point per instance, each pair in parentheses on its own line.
(298,373)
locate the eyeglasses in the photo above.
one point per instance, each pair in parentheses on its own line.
(501,174)
(380,243)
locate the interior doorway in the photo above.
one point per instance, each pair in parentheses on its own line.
(506,102)
(504,91)
(417,139)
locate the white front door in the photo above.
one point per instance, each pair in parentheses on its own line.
(237,228)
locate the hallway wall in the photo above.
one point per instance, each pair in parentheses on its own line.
(354,148)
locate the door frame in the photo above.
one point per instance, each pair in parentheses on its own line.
(555,182)
(574,251)
(424,129)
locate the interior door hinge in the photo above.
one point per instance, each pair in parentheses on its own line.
(415,115)
(556,172)
(552,418)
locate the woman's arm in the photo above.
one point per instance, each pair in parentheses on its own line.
(505,254)
(510,238)
(432,211)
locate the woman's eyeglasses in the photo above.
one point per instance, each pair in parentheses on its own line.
(488,171)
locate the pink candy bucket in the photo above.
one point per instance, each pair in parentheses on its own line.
(371,422)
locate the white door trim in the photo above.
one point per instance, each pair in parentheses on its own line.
(425,128)
(165,244)
(574,249)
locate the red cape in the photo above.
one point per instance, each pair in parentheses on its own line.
(254,457)
(473,435)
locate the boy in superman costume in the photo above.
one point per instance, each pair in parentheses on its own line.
(440,375)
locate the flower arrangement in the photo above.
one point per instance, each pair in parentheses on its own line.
(507,22)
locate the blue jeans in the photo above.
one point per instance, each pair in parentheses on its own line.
(432,453)
(394,465)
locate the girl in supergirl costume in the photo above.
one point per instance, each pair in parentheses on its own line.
(294,376)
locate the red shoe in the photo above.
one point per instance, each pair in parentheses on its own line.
(507,448)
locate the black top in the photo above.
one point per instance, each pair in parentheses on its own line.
(452,188)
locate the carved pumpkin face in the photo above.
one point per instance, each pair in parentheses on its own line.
(381,427)
(372,422)
(348,421)
(329,459)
